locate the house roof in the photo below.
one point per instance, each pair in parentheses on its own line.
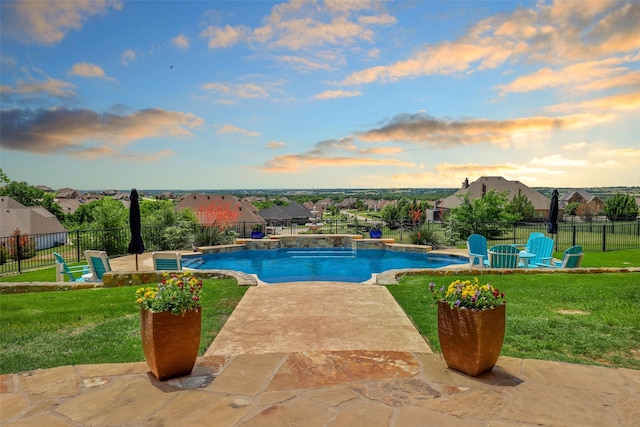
(485,183)
(580,196)
(29,220)
(274,213)
(244,211)
(296,210)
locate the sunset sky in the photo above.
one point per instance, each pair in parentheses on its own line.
(319,94)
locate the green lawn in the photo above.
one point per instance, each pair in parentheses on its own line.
(48,329)
(578,318)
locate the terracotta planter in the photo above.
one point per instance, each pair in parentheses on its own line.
(471,340)
(170,342)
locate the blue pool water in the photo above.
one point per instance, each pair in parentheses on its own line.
(318,264)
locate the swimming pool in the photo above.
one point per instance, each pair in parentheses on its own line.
(317,264)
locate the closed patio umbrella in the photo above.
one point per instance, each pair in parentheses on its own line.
(552,228)
(136,245)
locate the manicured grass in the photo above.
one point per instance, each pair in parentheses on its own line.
(48,329)
(579,318)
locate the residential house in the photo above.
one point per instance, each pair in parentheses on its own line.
(211,207)
(581,196)
(299,214)
(41,225)
(482,185)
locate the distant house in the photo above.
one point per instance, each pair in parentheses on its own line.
(206,205)
(480,187)
(274,215)
(37,222)
(69,206)
(580,196)
(69,193)
(348,203)
(298,213)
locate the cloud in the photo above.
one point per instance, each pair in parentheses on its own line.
(274,144)
(556,160)
(85,132)
(48,22)
(424,129)
(330,153)
(621,102)
(237,90)
(181,42)
(223,37)
(562,31)
(32,87)
(331,94)
(304,64)
(583,77)
(85,69)
(234,129)
(128,56)
(302,25)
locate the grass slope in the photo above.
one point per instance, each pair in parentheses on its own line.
(48,329)
(578,318)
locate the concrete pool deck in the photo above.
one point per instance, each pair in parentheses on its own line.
(321,354)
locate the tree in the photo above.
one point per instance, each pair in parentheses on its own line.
(23,193)
(571,208)
(621,207)
(486,216)
(520,206)
(587,211)
(392,216)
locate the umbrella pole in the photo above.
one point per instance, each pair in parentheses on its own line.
(136,262)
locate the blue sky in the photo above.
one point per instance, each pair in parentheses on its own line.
(312,94)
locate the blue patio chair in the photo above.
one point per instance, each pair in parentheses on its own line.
(477,247)
(167,261)
(99,263)
(532,236)
(504,256)
(62,269)
(542,249)
(572,258)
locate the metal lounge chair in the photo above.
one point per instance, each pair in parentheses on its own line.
(99,263)
(477,247)
(572,258)
(167,261)
(542,250)
(504,256)
(62,269)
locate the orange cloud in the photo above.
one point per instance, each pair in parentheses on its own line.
(181,42)
(331,94)
(621,102)
(564,30)
(234,129)
(328,153)
(85,69)
(423,129)
(49,86)
(47,22)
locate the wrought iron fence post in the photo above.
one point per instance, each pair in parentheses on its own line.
(604,238)
(78,245)
(17,252)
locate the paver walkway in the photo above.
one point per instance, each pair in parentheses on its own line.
(317,354)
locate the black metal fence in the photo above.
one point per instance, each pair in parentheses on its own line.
(26,252)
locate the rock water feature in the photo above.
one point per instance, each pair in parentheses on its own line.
(314,225)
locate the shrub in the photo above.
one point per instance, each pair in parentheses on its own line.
(24,248)
(425,236)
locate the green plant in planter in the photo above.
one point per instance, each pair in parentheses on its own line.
(468,294)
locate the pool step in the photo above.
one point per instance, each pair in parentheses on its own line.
(339,253)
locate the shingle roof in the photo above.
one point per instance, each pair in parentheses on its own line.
(29,220)
(498,183)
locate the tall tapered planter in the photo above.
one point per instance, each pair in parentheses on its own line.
(170,342)
(471,340)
